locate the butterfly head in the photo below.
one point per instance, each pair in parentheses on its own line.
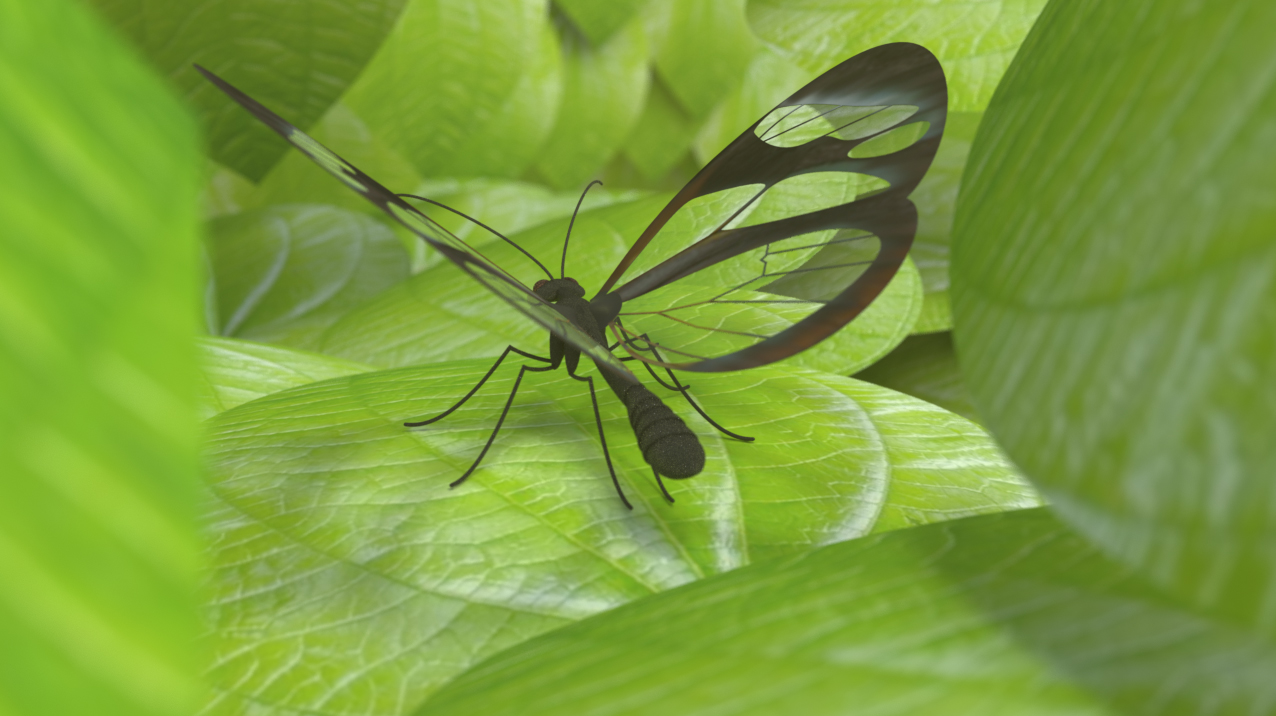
(557,289)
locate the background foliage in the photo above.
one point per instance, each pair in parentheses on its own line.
(1105,186)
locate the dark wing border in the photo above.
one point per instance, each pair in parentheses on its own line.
(900,73)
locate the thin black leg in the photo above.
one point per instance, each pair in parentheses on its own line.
(521,370)
(602,437)
(660,482)
(474,390)
(680,388)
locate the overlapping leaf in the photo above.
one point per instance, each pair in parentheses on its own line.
(99,485)
(1114,272)
(1003,614)
(235,372)
(350,578)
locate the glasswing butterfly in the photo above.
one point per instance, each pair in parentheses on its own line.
(739,294)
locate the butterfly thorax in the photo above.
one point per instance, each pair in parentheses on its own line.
(568,297)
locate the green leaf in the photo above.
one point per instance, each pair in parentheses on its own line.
(603,93)
(1001,614)
(295,57)
(702,49)
(350,578)
(285,273)
(769,79)
(99,552)
(661,136)
(936,199)
(925,367)
(444,314)
(1114,286)
(298,180)
(975,40)
(235,372)
(465,89)
(599,20)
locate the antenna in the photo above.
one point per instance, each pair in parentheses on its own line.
(562,268)
(507,239)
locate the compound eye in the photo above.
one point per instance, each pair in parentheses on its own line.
(569,278)
(539,283)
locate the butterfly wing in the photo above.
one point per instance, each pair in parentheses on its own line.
(473,263)
(785,263)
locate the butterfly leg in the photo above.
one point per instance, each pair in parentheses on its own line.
(474,390)
(593,396)
(492,438)
(660,482)
(680,388)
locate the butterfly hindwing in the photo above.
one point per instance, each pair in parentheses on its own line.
(812,221)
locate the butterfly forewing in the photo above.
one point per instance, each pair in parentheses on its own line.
(486,272)
(794,228)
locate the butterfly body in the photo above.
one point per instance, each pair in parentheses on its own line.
(667,444)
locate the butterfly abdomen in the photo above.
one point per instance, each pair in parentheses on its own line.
(667,444)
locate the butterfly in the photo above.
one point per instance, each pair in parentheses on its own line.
(764,282)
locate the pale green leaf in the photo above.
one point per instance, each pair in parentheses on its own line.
(703,50)
(234,372)
(99,550)
(1114,286)
(926,367)
(974,39)
(465,89)
(350,578)
(285,273)
(296,57)
(598,20)
(1001,615)
(661,136)
(603,93)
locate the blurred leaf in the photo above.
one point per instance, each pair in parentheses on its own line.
(975,40)
(351,579)
(296,57)
(936,198)
(298,180)
(1001,614)
(1114,286)
(465,89)
(703,50)
(285,273)
(661,136)
(924,367)
(235,372)
(769,79)
(444,314)
(598,20)
(99,555)
(603,93)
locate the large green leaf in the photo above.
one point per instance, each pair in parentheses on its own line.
(936,199)
(297,57)
(924,367)
(444,314)
(465,89)
(975,40)
(702,49)
(1002,614)
(598,20)
(603,93)
(1114,286)
(235,372)
(769,79)
(661,135)
(350,579)
(99,554)
(284,273)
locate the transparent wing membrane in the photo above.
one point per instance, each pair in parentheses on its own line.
(794,228)
(472,262)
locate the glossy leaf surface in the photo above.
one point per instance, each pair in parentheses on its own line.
(349,577)
(1115,287)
